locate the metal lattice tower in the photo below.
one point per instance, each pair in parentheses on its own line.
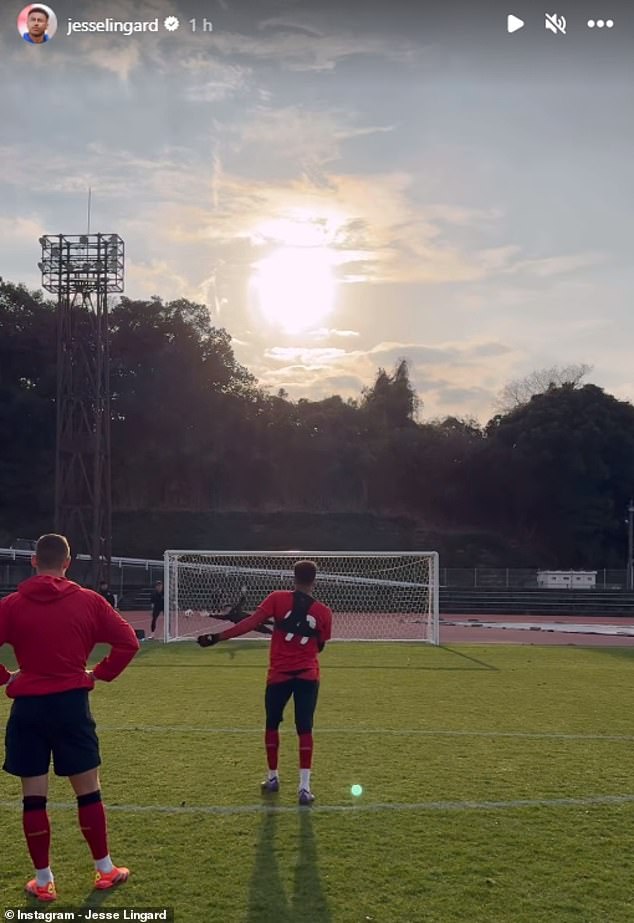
(82,270)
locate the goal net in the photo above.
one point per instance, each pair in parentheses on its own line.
(374,596)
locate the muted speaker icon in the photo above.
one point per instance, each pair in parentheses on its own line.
(555,23)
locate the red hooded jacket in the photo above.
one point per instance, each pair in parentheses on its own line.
(53,624)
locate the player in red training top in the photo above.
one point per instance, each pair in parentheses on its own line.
(53,624)
(301,627)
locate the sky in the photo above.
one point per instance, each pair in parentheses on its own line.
(343,184)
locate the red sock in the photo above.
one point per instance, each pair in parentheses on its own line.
(37,830)
(305,750)
(92,820)
(272,744)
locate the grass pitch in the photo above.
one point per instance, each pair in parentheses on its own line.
(498,787)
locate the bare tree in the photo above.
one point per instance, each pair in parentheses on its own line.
(518,392)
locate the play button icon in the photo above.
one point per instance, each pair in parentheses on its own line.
(513,23)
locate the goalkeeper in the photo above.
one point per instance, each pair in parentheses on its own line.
(237,613)
(301,627)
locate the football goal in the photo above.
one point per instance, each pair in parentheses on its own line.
(374,596)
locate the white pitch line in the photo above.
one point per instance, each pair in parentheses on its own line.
(387,732)
(357,808)
(585,628)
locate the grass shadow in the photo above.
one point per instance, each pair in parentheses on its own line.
(309,900)
(96,899)
(267,896)
(480,663)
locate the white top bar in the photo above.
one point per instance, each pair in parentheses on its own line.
(295,554)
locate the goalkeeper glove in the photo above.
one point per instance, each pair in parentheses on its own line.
(208,640)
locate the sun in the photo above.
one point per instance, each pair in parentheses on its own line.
(294,287)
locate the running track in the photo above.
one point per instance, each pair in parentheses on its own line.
(583,631)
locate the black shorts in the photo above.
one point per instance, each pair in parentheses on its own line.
(304,692)
(60,725)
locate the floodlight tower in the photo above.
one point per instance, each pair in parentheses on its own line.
(82,270)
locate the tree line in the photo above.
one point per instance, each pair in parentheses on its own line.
(193,430)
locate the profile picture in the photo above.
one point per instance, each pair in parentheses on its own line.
(37,23)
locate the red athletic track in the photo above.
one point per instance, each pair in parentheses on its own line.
(598,631)
(458,629)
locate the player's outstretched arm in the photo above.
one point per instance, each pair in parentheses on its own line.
(251,623)
(112,629)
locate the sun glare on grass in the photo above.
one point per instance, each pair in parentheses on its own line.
(294,287)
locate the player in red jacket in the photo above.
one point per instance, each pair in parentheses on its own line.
(53,624)
(301,627)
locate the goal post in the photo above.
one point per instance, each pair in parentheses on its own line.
(374,595)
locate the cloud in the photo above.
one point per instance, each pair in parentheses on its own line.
(300,138)
(390,353)
(464,217)
(325,333)
(299,25)
(159,277)
(118,59)
(307,357)
(370,223)
(111,172)
(372,229)
(447,396)
(454,353)
(311,383)
(498,259)
(346,384)
(486,350)
(559,265)
(18,230)
(214,80)
(298,45)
